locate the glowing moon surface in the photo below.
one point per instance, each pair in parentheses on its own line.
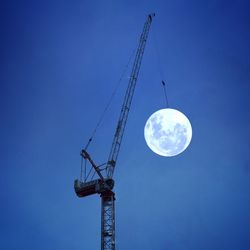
(168,132)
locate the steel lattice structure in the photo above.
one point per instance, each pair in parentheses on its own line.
(104,185)
(108,220)
(128,99)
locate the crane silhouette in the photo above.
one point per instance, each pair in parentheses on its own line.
(105,183)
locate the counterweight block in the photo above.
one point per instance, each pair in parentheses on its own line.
(97,186)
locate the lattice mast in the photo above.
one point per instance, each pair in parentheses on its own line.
(108,200)
(104,185)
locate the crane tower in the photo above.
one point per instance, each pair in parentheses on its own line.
(105,183)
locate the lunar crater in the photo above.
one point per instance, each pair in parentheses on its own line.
(168,132)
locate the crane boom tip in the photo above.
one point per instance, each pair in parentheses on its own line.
(151,15)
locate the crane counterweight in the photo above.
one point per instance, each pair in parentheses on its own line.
(97,186)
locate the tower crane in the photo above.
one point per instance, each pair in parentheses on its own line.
(105,183)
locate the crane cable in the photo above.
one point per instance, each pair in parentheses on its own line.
(101,119)
(160,66)
(110,101)
(165,93)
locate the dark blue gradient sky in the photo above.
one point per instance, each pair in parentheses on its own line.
(60,61)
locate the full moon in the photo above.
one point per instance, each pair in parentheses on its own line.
(168,132)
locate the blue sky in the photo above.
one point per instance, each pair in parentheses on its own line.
(60,61)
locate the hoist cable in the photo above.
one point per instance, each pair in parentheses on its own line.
(81,169)
(83,177)
(110,100)
(156,48)
(160,67)
(93,176)
(88,174)
(85,169)
(165,93)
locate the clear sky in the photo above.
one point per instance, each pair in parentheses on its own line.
(60,61)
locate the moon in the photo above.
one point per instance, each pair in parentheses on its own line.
(168,132)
